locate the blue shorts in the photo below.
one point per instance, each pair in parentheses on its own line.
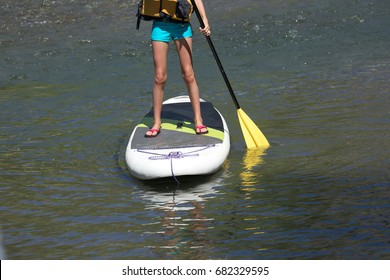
(167,31)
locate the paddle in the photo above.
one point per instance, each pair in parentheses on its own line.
(253,136)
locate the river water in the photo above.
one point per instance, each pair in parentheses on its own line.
(76,77)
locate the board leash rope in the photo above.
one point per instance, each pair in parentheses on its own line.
(173,173)
(174,155)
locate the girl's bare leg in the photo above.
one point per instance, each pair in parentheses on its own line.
(160,50)
(184,49)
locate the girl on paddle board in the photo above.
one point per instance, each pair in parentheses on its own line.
(165,30)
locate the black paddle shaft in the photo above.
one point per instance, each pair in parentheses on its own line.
(216,57)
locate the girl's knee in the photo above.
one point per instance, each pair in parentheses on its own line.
(188,77)
(160,78)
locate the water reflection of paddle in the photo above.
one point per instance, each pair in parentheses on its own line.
(252,158)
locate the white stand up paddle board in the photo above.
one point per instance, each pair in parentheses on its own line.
(178,150)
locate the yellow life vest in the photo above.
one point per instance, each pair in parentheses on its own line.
(164,10)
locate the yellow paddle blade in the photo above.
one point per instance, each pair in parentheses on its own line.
(254,138)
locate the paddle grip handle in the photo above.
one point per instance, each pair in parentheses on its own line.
(214,51)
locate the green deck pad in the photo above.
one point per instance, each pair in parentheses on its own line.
(178,128)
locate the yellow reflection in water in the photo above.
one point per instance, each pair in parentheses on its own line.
(252,158)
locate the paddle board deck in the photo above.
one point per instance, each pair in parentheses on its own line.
(178,150)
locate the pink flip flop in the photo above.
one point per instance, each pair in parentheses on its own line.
(198,129)
(152,135)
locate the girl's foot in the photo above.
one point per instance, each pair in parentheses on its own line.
(153,132)
(201,129)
